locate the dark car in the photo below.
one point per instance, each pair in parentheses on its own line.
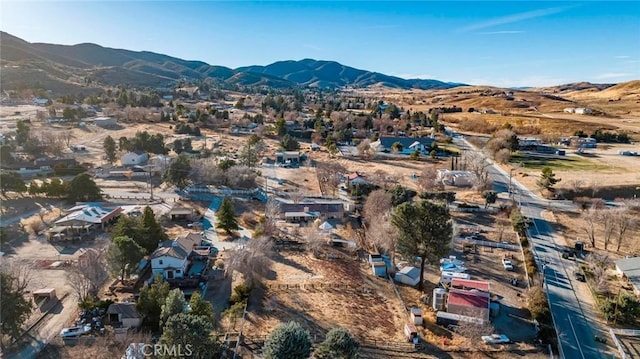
(579,276)
(568,253)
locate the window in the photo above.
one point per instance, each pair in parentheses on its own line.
(177,270)
(160,262)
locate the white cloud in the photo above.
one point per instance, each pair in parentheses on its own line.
(621,57)
(527,81)
(612,75)
(410,76)
(504,32)
(510,19)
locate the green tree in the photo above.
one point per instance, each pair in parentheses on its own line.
(34,188)
(240,103)
(123,256)
(22,132)
(289,143)
(281,127)
(11,182)
(193,332)
(424,230)
(201,308)
(126,226)
(396,147)
(178,172)
(5,155)
(226,216)
(226,163)
(16,306)
(547,179)
(251,151)
(151,299)
(415,155)
(339,344)
(110,149)
(490,197)
(401,194)
(69,113)
(150,232)
(288,340)
(55,188)
(174,304)
(82,188)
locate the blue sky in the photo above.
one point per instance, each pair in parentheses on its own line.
(504,43)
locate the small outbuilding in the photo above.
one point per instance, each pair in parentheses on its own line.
(124,314)
(134,158)
(630,269)
(408,275)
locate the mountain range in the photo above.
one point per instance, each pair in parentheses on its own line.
(65,67)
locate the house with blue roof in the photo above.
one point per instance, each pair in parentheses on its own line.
(408,144)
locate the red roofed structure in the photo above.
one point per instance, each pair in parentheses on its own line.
(472,303)
(469,284)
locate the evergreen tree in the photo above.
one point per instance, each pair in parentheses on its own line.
(110,149)
(150,232)
(83,189)
(226,216)
(152,297)
(174,304)
(288,340)
(123,256)
(201,307)
(178,172)
(339,344)
(547,179)
(16,306)
(193,332)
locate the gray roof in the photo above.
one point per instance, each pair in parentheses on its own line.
(387,142)
(179,248)
(411,272)
(631,269)
(124,310)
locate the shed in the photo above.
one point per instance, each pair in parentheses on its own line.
(379,269)
(125,314)
(408,275)
(104,121)
(325,226)
(134,158)
(45,298)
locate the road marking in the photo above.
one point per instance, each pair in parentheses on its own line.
(576,336)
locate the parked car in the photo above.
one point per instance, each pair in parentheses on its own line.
(568,253)
(496,339)
(506,263)
(579,276)
(75,331)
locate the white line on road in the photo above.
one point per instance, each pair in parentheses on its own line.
(576,336)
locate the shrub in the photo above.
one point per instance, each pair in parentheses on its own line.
(339,344)
(240,294)
(288,340)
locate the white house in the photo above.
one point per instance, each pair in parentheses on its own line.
(569,110)
(134,158)
(583,111)
(40,101)
(408,145)
(105,121)
(172,257)
(630,269)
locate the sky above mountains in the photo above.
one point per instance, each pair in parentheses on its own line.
(514,43)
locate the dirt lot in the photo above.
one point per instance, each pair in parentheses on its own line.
(362,303)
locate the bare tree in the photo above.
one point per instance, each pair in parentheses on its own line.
(379,178)
(297,195)
(472,332)
(240,177)
(89,275)
(594,186)
(479,165)
(315,241)
(600,263)
(378,203)
(382,235)
(21,272)
(623,222)
(329,176)
(429,179)
(590,218)
(364,149)
(253,261)
(575,185)
(67,136)
(608,225)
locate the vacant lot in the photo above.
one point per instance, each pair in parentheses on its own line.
(323,294)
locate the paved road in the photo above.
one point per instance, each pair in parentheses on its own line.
(574,332)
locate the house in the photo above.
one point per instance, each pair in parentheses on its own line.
(125,315)
(569,110)
(408,275)
(53,162)
(471,303)
(88,217)
(528,143)
(583,142)
(408,145)
(468,284)
(105,122)
(630,269)
(290,157)
(583,111)
(310,209)
(355,178)
(171,259)
(180,213)
(134,158)
(40,101)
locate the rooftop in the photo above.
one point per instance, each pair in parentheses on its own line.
(467,298)
(470,284)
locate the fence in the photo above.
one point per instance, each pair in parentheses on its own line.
(488,243)
(623,354)
(319,285)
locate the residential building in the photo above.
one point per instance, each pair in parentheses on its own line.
(310,209)
(171,259)
(630,269)
(290,157)
(88,217)
(471,303)
(134,158)
(408,144)
(356,178)
(105,122)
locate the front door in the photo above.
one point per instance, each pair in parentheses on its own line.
(169,274)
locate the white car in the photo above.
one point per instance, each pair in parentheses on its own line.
(506,263)
(496,339)
(75,331)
